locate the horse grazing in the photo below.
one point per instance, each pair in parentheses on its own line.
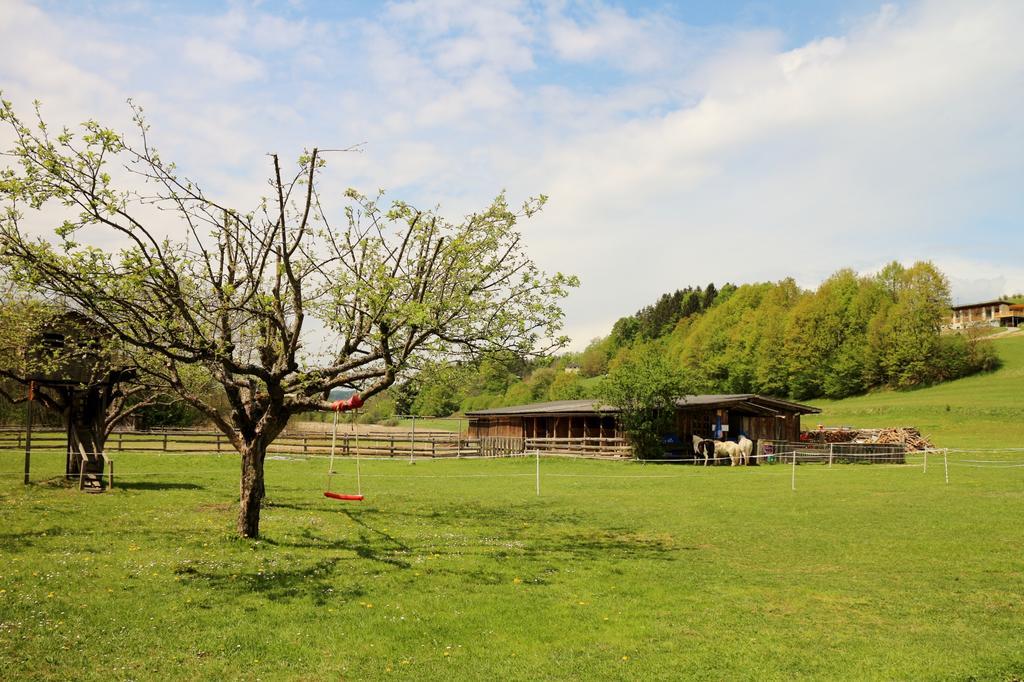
(746,448)
(703,446)
(729,449)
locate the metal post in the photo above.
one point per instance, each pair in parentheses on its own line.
(831,447)
(537,456)
(793,482)
(28,429)
(412,445)
(925,469)
(945,463)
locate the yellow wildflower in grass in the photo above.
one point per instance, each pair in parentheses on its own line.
(517,581)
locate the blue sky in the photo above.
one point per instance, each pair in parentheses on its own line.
(679,142)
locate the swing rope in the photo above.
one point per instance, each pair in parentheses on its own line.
(330,471)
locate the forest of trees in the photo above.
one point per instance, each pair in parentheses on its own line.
(853,334)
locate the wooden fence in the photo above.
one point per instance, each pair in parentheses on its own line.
(175,441)
(593,447)
(365,444)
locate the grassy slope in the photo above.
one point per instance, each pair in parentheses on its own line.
(980,411)
(456,570)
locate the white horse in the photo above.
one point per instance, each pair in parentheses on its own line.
(729,449)
(746,448)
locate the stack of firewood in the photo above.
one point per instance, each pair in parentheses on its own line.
(908,436)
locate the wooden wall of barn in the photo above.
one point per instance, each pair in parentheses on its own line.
(690,422)
(702,422)
(496,427)
(545,426)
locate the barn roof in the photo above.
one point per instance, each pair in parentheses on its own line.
(750,402)
(562,407)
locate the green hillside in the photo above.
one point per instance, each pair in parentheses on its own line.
(985,410)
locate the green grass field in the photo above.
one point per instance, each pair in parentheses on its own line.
(457,570)
(986,410)
(453,424)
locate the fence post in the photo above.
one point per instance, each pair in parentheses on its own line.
(412,443)
(925,469)
(305,444)
(831,449)
(218,443)
(945,463)
(793,481)
(165,442)
(537,455)
(120,442)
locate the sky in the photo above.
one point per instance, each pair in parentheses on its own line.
(679,143)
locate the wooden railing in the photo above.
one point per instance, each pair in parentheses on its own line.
(376,443)
(179,441)
(605,447)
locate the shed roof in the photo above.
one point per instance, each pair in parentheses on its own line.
(750,402)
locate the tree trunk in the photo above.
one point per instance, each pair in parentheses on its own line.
(86,413)
(252,489)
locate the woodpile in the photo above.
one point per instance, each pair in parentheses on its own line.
(908,436)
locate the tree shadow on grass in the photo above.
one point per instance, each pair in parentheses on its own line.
(371,544)
(493,542)
(15,542)
(314,581)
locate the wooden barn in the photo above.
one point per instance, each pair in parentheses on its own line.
(590,426)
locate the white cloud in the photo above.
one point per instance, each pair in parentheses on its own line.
(221,61)
(463,34)
(879,144)
(611,35)
(678,157)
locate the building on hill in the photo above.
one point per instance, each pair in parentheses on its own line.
(594,426)
(998,313)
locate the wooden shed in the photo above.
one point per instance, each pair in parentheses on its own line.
(558,419)
(708,416)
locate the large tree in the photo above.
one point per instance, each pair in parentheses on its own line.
(646,387)
(272,306)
